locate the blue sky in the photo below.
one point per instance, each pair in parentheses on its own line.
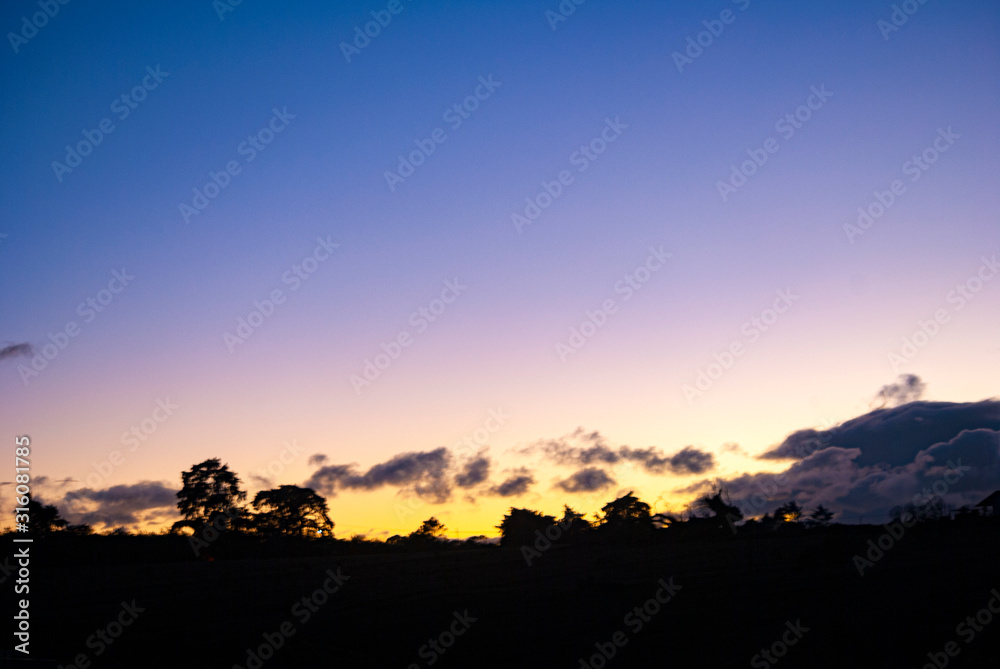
(324,176)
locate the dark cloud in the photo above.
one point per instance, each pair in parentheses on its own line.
(517,483)
(473,472)
(591,448)
(893,436)
(589,479)
(426,473)
(690,460)
(909,464)
(318,460)
(907,388)
(118,505)
(14,350)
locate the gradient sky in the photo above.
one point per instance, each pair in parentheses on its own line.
(495,345)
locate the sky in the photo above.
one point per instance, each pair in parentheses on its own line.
(505,230)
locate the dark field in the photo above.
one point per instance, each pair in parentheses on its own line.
(733,597)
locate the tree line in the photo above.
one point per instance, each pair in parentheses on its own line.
(212,502)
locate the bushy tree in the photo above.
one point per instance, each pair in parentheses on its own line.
(518,527)
(210,495)
(291,510)
(626,511)
(432,528)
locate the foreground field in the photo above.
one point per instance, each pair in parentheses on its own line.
(727,602)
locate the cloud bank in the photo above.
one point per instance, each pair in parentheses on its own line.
(883,459)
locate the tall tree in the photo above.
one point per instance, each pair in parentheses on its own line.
(210,495)
(291,510)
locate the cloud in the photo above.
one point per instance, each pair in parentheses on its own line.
(473,472)
(893,436)
(883,459)
(591,448)
(907,388)
(426,473)
(262,481)
(120,504)
(15,350)
(589,479)
(517,483)
(318,460)
(690,460)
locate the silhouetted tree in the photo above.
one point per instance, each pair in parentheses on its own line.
(429,529)
(789,512)
(518,527)
(722,514)
(626,511)
(44,519)
(573,523)
(292,511)
(820,516)
(210,495)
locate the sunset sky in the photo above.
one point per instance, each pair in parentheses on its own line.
(510,101)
